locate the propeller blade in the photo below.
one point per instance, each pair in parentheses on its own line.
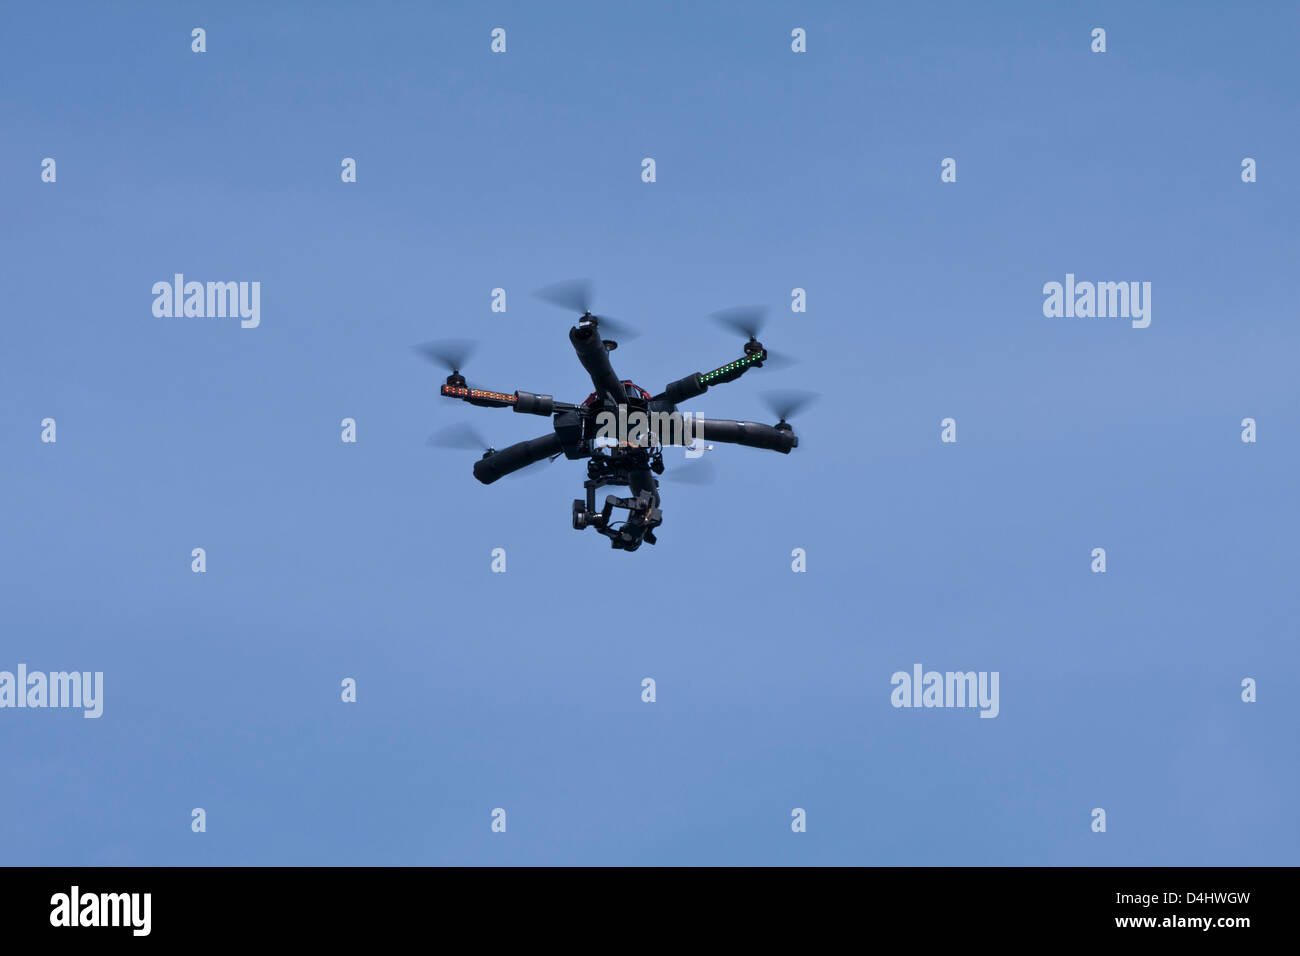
(576,295)
(748,320)
(530,469)
(572,294)
(616,328)
(692,472)
(784,404)
(451,354)
(776,361)
(461,436)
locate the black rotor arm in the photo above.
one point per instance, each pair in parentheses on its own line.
(699,382)
(751,434)
(498,464)
(595,359)
(521,401)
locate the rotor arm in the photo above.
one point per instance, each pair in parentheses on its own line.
(521,401)
(595,359)
(681,390)
(480,396)
(750,434)
(498,464)
(699,382)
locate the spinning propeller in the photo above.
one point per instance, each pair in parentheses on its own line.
(692,472)
(749,320)
(451,354)
(785,404)
(462,437)
(465,437)
(576,295)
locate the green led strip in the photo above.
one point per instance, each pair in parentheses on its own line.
(739,363)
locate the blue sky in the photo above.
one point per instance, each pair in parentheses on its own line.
(522,690)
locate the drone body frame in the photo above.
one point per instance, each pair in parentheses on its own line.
(631,464)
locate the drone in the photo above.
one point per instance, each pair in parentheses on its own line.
(632,457)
